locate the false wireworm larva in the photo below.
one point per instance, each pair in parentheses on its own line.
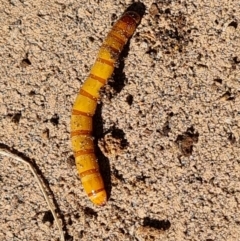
(86,102)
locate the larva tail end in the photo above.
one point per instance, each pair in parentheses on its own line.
(100,198)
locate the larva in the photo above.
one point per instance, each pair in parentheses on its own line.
(86,102)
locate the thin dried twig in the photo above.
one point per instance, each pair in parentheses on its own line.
(39,181)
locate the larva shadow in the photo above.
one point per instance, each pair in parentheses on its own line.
(118,82)
(137,7)
(110,142)
(103,161)
(119,77)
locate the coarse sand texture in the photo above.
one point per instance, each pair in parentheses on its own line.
(166,129)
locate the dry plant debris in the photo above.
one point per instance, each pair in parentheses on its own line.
(40,184)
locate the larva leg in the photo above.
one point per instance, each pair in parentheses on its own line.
(85,105)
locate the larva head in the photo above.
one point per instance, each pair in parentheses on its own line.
(132,16)
(128,22)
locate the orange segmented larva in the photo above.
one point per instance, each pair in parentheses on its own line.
(86,102)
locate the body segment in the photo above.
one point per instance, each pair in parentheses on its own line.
(86,102)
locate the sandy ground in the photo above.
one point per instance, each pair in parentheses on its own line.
(168,123)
